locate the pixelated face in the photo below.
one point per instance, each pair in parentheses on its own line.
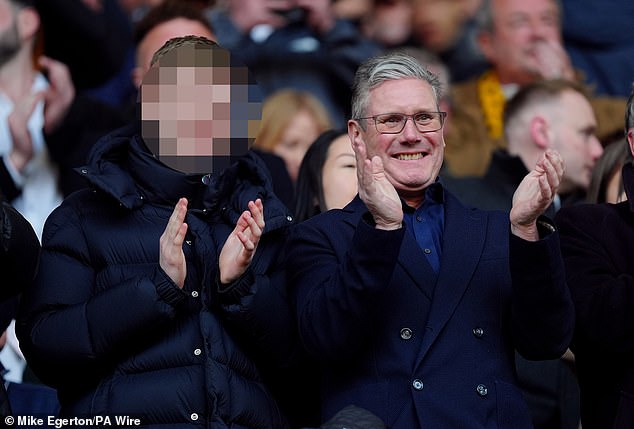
(200,110)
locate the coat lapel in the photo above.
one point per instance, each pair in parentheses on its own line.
(463,242)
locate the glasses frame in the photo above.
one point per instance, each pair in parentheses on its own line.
(443,116)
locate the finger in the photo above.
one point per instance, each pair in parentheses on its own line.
(257,212)
(176,219)
(247,244)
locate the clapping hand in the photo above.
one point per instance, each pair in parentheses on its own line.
(171,256)
(237,252)
(534,194)
(376,191)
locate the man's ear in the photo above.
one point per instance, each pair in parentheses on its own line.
(630,139)
(540,132)
(137,76)
(354,132)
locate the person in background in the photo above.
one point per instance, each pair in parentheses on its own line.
(158,295)
(291,121)
(327,177)
(597,243)
(522,42)
(298,44)
(412,303)
(19,258)
(606,184)
(448,29)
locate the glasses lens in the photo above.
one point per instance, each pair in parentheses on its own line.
(393,123)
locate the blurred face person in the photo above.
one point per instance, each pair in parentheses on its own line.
(199,110)
(573,128)
(301,131)
(526,36)
(339,174)
(411,158)
(437,24)
(156,37)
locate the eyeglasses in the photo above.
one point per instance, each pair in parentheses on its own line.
(394,123)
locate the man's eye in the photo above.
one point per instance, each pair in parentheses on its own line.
(424,117)
(394,119)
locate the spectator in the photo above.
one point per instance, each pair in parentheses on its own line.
(543,115)
(327,176)
(448,29)
(411,302)
(522,41)
(91,37)
(295,44)
(169,298)
(291,121)
(19,257)
(597,242)
(606,185)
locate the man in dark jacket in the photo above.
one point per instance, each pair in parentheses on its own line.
(19,257)
(158,295)
(597,242)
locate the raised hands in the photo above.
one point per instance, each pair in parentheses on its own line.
(376,191)
(237,252)
(534,194)
(171,256)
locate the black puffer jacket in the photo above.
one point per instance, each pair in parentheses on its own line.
(107,327)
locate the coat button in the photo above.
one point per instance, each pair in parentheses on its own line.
(478,332)
(195,294)
(406,333)
(289,218)
(427,251)
(417,384)
(482,390)
(194,416)
(197,352)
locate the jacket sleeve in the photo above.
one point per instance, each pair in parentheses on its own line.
(19,249)
(334,281)
(602,290)
(542,310)
(68,327)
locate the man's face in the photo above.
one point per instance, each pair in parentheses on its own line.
(522,30)
(198,111)
(9,34)
(411,159)
(574,137)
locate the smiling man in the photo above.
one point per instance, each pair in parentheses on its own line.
(412,302)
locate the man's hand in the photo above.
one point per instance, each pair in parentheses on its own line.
(171,256)
(534,194)
(22,151)
(237,252)
(246,14)
(59,95)
(552,61)
(376,191)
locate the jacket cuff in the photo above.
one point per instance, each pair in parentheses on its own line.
(234,291)
(167,289)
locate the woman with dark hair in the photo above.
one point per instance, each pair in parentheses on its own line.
(327,177)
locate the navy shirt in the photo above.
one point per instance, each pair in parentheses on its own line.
(427,223)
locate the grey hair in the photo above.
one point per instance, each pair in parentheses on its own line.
(386,67)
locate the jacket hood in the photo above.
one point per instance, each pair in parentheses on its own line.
(122,166)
